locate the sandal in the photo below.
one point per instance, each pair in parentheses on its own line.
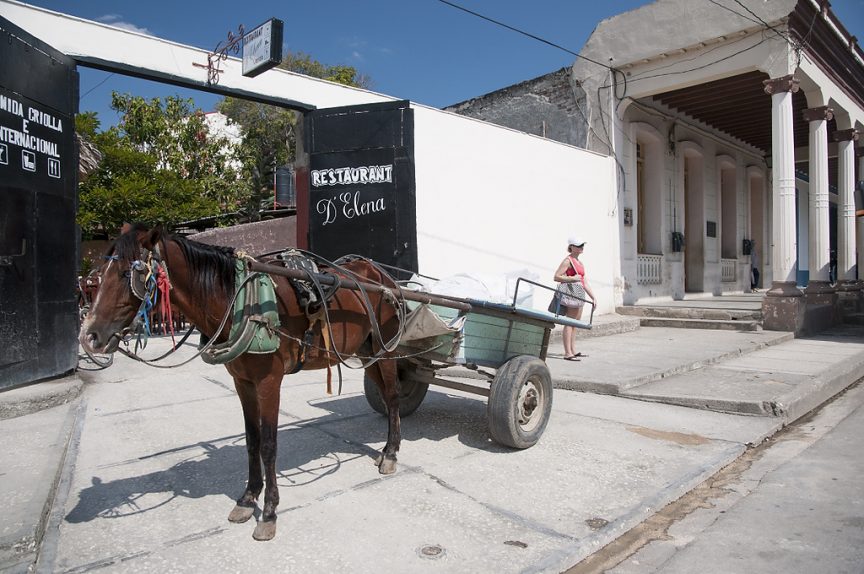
(580,355)
(572,358)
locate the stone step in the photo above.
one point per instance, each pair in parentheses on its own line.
(853,318)
(646,311)
(609,324)
(683,323)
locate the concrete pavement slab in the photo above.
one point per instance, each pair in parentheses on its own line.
(785,381)
(160,457)
(615,364)
(33,449)
(803,513)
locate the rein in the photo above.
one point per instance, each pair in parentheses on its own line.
(149,280)
(201,350)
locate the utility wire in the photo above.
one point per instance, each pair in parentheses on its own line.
(84,95)
(532,36)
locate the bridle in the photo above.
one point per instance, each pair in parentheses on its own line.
(150,283)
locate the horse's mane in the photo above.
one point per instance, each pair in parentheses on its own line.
(211,265)
(126,247)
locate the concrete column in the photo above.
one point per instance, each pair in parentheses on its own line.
(846,204)
(859,219)
(819,244)
(783,308)
(783,188)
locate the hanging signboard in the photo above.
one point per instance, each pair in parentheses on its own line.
(262,48)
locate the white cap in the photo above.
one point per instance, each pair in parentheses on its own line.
(575,240)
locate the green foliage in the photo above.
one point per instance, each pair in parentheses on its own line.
(341,74)
(159,165)
(268,142)
(87,125)
(268,131)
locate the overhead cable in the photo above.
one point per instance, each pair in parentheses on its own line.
(524,33)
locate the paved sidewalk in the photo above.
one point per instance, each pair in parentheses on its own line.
(138,472)
(755,373)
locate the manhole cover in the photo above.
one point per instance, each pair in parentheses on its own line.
(431,552)
(596,523)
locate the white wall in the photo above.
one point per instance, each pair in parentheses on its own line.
(494,200)
(86,40)
(489,199)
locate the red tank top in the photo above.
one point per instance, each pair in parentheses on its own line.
(574,268)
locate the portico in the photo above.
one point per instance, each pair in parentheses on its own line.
(735,127)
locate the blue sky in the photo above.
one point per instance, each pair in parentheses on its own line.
(421,50)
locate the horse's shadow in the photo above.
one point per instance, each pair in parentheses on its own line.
(309,450)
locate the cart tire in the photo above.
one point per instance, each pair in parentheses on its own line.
(411,392)
(520,402)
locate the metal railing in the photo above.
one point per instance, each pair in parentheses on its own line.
(649,269)
(727,270)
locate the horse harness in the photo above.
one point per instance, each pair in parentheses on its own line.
(255,319)
(148,278)
(253,308)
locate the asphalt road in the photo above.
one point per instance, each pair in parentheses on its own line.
(795,505)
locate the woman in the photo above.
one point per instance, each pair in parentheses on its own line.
(574,288)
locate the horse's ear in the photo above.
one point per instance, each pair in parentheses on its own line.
(150,238)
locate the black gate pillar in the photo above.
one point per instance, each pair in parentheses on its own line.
(38,203)
(355,183)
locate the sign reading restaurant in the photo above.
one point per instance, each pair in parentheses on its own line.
(352,175)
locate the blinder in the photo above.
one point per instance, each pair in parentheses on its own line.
(143,277)
(138,276)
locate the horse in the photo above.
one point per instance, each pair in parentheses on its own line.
(202,284)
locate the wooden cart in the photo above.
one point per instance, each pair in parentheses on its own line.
(512,340)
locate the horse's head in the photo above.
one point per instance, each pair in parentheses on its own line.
(120,290)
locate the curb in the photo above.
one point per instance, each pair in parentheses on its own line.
(820,390)
(622,386)
(38,396)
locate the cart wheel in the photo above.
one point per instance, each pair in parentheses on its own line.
(411,392)
(520,402)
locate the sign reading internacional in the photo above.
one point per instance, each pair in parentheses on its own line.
(262,48)
(32,140)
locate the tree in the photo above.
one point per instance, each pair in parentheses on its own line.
(268,131)
(159,165)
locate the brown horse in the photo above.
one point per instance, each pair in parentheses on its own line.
(202,279)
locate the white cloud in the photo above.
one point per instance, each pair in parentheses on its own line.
(116,20)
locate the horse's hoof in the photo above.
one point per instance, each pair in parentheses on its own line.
(387,464)
(241,513)
(265,531)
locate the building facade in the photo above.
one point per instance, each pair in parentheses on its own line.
(735,130)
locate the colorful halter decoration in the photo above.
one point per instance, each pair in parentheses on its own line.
(148,278)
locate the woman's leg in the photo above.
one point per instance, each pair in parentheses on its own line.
(567,337)
(570,332)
